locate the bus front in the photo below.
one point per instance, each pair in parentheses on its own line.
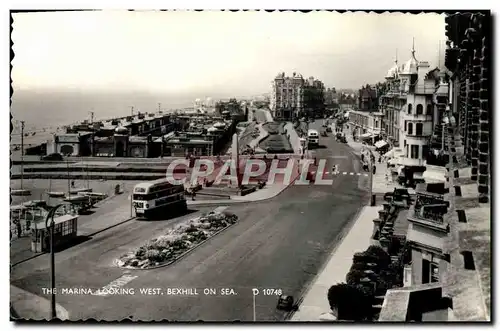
(140,200)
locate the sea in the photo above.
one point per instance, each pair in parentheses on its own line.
(46,110)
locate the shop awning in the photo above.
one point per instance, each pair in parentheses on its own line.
(380,143)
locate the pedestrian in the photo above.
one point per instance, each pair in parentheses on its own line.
(380,159)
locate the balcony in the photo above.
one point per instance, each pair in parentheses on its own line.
(418,117)
(428,90)
(429,211)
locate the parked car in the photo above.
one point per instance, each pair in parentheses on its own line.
(53,157)
(329,129)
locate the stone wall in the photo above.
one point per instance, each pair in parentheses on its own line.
(468,60)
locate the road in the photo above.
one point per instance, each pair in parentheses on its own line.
(276,244)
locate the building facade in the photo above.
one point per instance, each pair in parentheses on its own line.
(287,96)
(367,99)
(293,96)
(410,111)
(331,97)
(366,123)
(391,103)
(468,58)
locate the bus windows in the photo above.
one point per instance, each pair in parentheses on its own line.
(140,197)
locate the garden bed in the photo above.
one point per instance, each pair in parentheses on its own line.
(177,241)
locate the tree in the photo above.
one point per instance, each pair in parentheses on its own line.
(380,255)
(354,275)
(350,302)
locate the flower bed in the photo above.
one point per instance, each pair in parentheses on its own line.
(176,241)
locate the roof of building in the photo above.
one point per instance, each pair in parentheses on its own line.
(411,66)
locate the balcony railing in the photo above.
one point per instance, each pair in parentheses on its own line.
(433,212)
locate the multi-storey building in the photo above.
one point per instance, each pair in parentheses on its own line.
(287,96)
(292,96)
(368,99)
(449,232)
(331,97)
(391,104)
(468,58)
(409,108)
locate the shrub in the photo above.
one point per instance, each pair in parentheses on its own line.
(354,276)
(359,266)
(153,255)
(349,302)
(191,229)
(380,256)
(140,252)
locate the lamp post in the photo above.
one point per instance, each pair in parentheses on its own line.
(49,224)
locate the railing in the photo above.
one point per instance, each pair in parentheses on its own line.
(434,213)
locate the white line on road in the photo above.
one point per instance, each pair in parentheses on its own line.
(344,173)
(115,285)
(351,173)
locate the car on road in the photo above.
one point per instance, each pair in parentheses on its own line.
(329,129)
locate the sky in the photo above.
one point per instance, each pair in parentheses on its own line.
(178,52)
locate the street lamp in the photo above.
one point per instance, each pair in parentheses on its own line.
(49,224)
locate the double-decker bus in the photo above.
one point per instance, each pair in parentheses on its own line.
(312,138)
(158,199)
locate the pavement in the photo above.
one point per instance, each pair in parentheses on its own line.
(109,212)
(383,180)
(279,243)
(315,302)
(32,306)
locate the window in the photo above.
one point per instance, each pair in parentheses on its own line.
(404,143)
(430,271)
(425,151)
(410,108)
(414,151)
(419,129)
(406,125)
(429,109)
(420,109)
(410,128)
